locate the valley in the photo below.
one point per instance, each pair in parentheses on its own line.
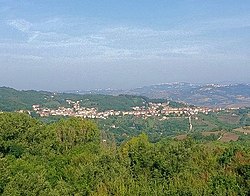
(123,116)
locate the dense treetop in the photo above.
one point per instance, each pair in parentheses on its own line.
(70,157)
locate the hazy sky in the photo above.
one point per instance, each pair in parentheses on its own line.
(88,44)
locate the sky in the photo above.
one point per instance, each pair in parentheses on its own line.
(61,45)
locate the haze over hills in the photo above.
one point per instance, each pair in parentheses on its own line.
(12,100)
(211,95)
(87,110)
(124,116)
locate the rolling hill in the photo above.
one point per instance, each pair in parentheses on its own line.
(12,100)
(211,95)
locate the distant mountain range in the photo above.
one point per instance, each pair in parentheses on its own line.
(211,95)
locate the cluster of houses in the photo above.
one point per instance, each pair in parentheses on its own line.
(153,109)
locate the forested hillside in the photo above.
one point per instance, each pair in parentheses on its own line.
(12,100)
(70,157)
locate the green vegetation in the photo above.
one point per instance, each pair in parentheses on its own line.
(224,120)
(12,100)
(122,128)
(108,102)
(71,157)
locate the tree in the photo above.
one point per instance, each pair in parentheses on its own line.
(67,133)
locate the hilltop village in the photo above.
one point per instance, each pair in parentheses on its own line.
(151,110)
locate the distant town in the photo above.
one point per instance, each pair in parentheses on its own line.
(152,110)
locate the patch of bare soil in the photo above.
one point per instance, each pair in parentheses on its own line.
(227,137)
